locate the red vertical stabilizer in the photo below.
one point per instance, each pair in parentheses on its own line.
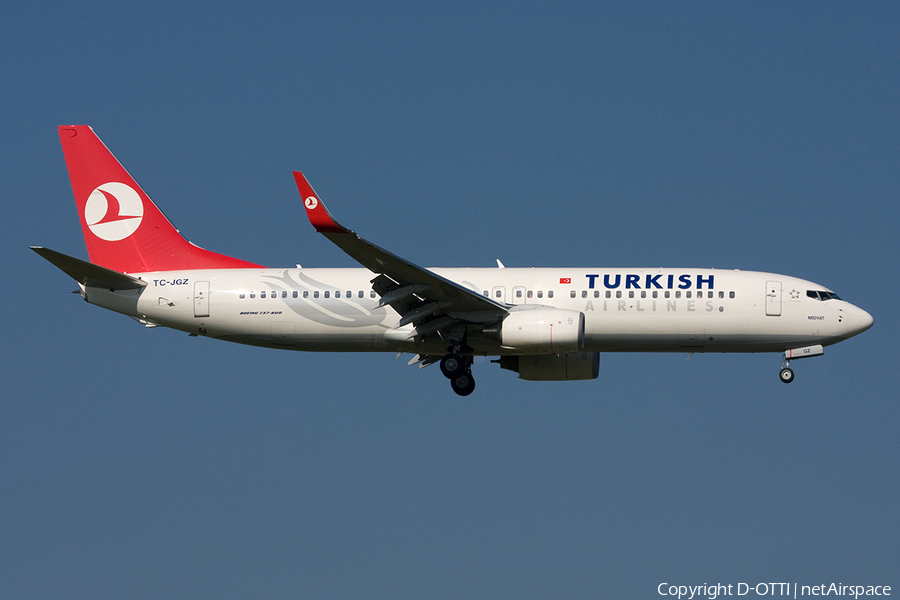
(123,229)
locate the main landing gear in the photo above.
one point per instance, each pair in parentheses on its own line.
(458,369)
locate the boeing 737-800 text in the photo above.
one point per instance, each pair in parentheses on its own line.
(543,323)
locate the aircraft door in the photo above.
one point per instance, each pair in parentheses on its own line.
(498,293)
(201,298)
(773,298)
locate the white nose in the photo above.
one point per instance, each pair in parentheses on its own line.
(858,321)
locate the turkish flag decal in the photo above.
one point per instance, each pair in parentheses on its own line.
(565,280)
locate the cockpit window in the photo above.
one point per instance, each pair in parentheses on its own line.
(821,295)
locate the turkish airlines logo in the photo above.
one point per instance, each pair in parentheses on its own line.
(113,211)
(311,202)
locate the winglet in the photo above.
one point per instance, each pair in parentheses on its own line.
(318,215)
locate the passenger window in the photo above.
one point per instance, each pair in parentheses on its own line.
(497,294)
(518,293)
(253,294)
(643,294)
(655,294)
(262,294)
(667,294)
(327,293)
(349,294)
(372,294)
(731,294)
(486,295)
(584,293)
(530,294)
(572,294)
(631,293)
(678,294)
(284,294)
(687,294)
(316,294)
(618,293)
(294,295)
(241,295)
(608,294)
(721,294)
(596,293)
(550,294)
(337,293)
(540,293)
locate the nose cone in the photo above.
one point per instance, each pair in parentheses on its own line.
(858,321)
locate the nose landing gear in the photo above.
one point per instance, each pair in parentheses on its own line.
(786,374)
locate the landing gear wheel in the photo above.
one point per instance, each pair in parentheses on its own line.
(463,384)
(452,365)
(786,375)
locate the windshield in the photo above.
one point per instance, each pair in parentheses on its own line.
(821,295)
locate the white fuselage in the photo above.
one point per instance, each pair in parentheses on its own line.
(640,310)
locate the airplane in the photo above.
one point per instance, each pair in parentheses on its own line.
(546,324)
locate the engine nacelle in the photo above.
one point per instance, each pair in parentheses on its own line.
(543,330)
(554,367)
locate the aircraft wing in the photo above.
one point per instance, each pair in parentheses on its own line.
(420,296)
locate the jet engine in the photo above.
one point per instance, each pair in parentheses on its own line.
(540,330)
(554,367)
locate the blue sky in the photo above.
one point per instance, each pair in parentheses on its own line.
(144,464)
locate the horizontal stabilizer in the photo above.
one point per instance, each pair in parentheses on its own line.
(89,274)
